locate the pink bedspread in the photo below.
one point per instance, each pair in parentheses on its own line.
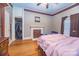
(59,45)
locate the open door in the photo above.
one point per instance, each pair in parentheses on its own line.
(18,28)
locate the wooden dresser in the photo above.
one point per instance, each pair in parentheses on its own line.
(3,46)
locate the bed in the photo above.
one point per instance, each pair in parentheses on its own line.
(59,45)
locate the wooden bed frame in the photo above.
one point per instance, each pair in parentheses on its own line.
(41,51)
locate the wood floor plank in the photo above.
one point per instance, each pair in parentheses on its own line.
(24,48)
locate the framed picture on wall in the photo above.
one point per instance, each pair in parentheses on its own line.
(37,19)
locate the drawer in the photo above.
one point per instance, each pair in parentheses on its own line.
(4,44)
(4,47)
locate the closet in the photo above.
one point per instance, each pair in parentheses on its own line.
(74,27)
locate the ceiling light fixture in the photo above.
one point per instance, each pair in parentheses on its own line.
(46,4)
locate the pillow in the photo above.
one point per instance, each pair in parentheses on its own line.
(52,37)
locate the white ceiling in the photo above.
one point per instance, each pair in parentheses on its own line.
(53,7)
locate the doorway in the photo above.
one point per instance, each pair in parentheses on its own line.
(18,28)
(65,27)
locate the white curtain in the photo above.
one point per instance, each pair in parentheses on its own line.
(67,26)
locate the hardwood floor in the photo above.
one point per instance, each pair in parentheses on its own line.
(24,48)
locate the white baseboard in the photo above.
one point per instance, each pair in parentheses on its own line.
(35,39)
(27,38)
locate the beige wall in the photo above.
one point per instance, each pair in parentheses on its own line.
(56,20)
(45,22)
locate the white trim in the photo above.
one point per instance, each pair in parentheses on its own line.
(27,38)
(35,39)
(23,24)
(36,28)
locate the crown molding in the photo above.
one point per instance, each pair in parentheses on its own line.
(66,9)
(37,12)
